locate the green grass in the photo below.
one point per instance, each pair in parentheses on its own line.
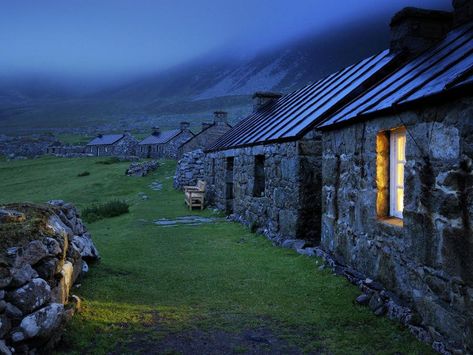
(154,281)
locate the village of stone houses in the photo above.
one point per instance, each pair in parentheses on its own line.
(333,219)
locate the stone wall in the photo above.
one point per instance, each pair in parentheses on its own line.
(427,260)
(44,249)
(190,168)
(290,205)
(25,146)
(171,148)
(205,138)
(67,151)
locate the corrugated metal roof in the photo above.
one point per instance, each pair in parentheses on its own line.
(162,138)
(292,114)
(106,139)
(447,65)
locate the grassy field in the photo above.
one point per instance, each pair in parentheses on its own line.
(211,288)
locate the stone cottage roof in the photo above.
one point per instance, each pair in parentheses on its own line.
(162,138)
(202,131)
(106,139)
(292,115)
(444,68)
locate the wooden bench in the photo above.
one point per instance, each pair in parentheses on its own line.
(195,195)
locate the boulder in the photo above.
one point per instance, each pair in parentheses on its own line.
(34,252)
(22,275)
(4,349)
(44,322)
(85,246)
(31,296)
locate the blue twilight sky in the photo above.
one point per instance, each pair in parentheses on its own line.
(119,38)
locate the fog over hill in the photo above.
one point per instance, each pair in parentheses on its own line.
(219,80)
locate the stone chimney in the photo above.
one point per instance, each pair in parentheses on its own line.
(205,125)
(100,135)
(155,131)
(261,99)
(220,117)
(185,126)
(414,30)
(463,11)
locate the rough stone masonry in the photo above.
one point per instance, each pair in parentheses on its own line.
(44,251)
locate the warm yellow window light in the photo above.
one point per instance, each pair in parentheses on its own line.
(397,162)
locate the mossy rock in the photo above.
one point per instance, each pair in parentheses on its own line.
(23,223)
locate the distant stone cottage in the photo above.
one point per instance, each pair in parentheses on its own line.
(208,135)
(112,145)
(165,144)
(375,164)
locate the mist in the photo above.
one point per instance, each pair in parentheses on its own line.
(89,44)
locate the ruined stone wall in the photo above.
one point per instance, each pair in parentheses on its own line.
(204,139)
(44,251)
(190,168)
(428,261)
(281,212)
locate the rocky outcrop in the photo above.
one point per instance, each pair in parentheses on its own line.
(44,250)
(142,169)
(189,169)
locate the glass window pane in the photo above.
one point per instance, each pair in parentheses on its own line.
(401,146)
(400,199)
(400,174)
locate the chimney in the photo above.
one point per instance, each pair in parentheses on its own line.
(100,135)
(205,125)
(414,30)
(261,99)
(463,11)
(155,131)
(220,117)
(185,126)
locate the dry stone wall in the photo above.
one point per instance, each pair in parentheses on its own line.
(427,263)
(190,168)
(44,251)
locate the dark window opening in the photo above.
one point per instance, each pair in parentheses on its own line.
(260,178)
(212,170)
(229,178)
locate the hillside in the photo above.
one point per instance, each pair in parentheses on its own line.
(190,91)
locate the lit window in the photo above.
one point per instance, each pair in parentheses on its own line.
(397,162)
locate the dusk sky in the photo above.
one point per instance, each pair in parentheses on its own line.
(108,38)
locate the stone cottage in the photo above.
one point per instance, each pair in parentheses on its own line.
(267,170)
(398,177)
(208,135)
(112,145)
(165,144)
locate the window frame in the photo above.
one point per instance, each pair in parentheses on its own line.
(394,172)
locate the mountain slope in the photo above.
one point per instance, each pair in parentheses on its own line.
(192,91)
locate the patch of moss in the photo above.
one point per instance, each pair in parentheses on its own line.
(34,226)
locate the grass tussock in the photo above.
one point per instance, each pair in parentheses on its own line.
(84,173)
(105,210)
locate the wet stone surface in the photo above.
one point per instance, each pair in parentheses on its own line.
(186,220)
(156,186)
